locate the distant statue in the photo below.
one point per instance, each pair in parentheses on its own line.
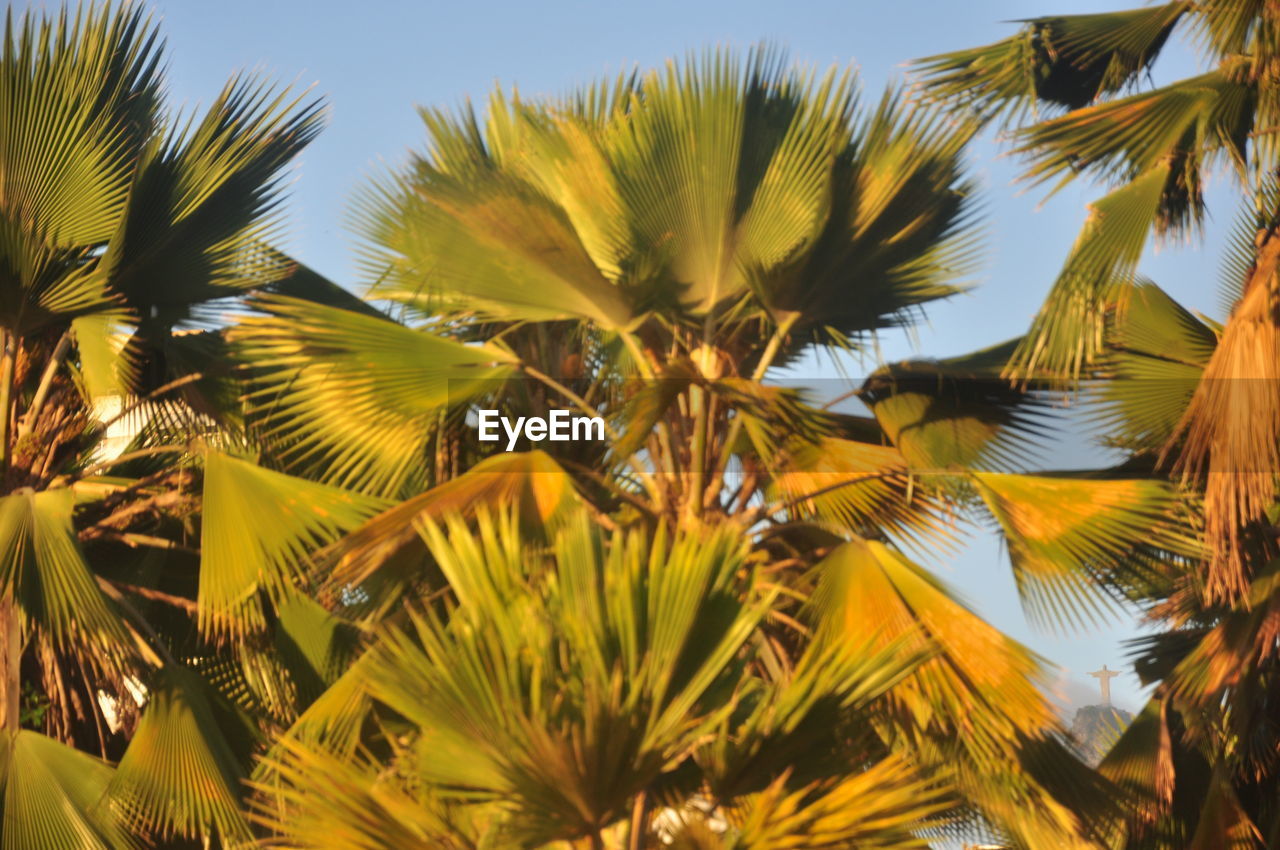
(1104,677)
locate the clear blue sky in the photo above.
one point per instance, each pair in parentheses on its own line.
(375,61)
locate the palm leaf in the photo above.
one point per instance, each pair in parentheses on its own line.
(352,396)
(1067,333)
(80,95)
(328,801)
(859,487)
(55,797)
(884,807)
(871,594)
(107,366)
(202,203)
(956,413)
(257,531)
(42,566)
(540,491)
(1065,61)
(1073,539)
(1188,124)
(900,232)
(182,772)
(473,231)
(1156,352)
(567,700)
(974,710)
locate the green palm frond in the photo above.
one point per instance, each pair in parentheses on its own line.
(1188,125)
(201,208)
(332,724)
(328,802)
(1074,538)
(80,95)
(1141,763)
(107,366)
(258,529)
(957,413)
(1156,352)
(797,725)
(182,773)
(43,568)
(314,646)
(1227,26)
(55,797)
(353,396)
(1066,335)
(900,232)
(1062,61)
(532,483)
(1240,253)
(725,154)
(488,242)
(884,807)
(613,653)
(789,198)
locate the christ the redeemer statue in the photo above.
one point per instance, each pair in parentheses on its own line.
(1104,677)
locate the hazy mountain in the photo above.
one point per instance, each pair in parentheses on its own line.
(1095,728)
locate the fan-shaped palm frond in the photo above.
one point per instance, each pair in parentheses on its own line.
(183,771)
(355,395)
(957,413)
(43,571)
(1076,539)
(1156,353)
(1060,61)
(56,796)
(974,709)
(257,530)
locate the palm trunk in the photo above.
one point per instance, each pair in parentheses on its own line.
(8,360)
(10,661)
(10,634)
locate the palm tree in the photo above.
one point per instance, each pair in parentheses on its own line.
(646,250)
(602,689)
(123,230)
(1072,86)
(1197,764)
(1199,760)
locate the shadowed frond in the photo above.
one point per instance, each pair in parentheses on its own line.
(862,488)
(42,566)
(182,773)
(884,807)
(957,413)
(1063,61)
(203,205)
